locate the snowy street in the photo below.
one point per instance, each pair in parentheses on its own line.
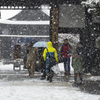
(18,86)
(50,50)
(35,89)
(32,89)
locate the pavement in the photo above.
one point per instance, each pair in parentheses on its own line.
(91,84)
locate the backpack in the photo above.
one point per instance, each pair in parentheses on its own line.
(51,59)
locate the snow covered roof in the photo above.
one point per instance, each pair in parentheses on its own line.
(25,17)
(26,22)
(30,15)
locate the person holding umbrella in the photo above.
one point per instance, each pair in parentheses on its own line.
(41,45)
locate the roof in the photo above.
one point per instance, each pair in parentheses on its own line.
(30,15)
(25,29)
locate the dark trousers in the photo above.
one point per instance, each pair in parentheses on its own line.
(49,70)
(67,64)
(80,76)
(43,68)
(25,60)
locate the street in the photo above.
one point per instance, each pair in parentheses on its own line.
(18,86)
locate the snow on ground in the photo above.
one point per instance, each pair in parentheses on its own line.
(36,89)
(94,78)
(30,90)
(10,67)
(6,67)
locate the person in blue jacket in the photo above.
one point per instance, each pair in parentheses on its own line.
(48,54)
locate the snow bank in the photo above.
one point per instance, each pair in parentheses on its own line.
(6,67)
(94,78)
(10,67)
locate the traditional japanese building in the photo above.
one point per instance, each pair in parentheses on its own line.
(70,16)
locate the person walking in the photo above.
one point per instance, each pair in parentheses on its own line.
(77,64)
(50,56)
(66,54)
(32,57)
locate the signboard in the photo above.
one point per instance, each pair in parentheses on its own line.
(71,16)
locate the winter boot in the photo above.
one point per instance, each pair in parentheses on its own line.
(50,79)
(43,78)
(25,67)
(48,76)
(68,73)
(65,74)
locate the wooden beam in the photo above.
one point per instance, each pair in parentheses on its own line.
(54,26)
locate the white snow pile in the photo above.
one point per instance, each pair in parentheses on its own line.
(10,67)
(94,78)
(89,2)
(6,67)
